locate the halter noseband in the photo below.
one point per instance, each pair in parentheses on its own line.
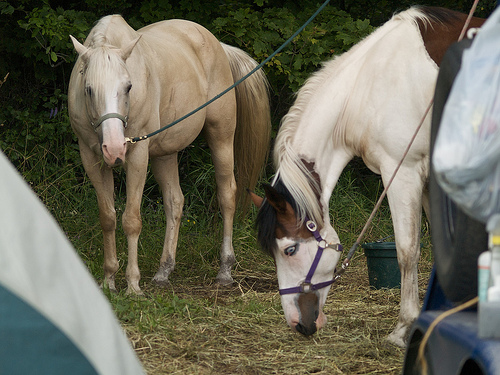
(103,118)
(307,286)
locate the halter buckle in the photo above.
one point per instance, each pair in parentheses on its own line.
(311,225)
(306,287)
(335,246)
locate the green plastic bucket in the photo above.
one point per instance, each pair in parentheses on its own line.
(382,262)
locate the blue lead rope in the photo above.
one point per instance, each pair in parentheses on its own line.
(287,42)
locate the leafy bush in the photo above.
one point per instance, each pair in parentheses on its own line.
(261,31)
(34,126)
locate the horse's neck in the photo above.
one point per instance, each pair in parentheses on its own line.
(320,133)
(307,154)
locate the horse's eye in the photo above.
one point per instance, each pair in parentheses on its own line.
(88,90)
(128,88)
(290,250)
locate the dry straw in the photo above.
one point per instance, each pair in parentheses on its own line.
(241,330)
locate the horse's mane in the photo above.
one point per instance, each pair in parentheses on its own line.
(266,221)
(293,178)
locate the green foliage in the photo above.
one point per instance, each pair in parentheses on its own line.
(38,56)
(34,127)
(49,29)
(261,31)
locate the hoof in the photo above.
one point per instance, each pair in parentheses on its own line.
(224,280)
(134,291)
(161,277)
(397,338)
(161,280)
(109,287)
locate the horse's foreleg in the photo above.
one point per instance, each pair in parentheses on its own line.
(136,170)
(107,218)
(165,170)
(102,180)
(405,201)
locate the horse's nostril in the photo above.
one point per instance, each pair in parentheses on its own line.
(306,331)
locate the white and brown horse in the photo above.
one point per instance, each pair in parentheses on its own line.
(366,102)
(128,83)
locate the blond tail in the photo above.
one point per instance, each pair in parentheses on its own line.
(253,127)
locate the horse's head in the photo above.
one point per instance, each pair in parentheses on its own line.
(305,263)
(107,85)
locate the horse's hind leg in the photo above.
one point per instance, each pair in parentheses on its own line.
(102,180)
(165,170)
(221,146)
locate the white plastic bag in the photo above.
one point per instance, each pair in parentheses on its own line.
(466,155)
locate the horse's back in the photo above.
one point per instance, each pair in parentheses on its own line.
(372,97)
(174,28)
(180,36)
(187,49)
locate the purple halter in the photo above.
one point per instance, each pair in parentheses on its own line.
(307,286)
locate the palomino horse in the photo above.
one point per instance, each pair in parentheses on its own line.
(127,83)
(366,102)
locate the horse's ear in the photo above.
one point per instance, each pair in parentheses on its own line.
(284,210)
(127,50)
(255,198)
(79,47)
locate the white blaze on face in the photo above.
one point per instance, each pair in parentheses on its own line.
(293,261)
(114,146)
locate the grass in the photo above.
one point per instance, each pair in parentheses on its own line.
(194,326)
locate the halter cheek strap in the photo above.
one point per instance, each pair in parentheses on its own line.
(107,116)
(307,286)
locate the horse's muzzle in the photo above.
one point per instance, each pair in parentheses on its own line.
(114,156)
(306,330)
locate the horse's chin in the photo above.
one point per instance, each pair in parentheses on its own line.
(118,162)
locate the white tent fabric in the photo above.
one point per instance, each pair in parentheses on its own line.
(42,273)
